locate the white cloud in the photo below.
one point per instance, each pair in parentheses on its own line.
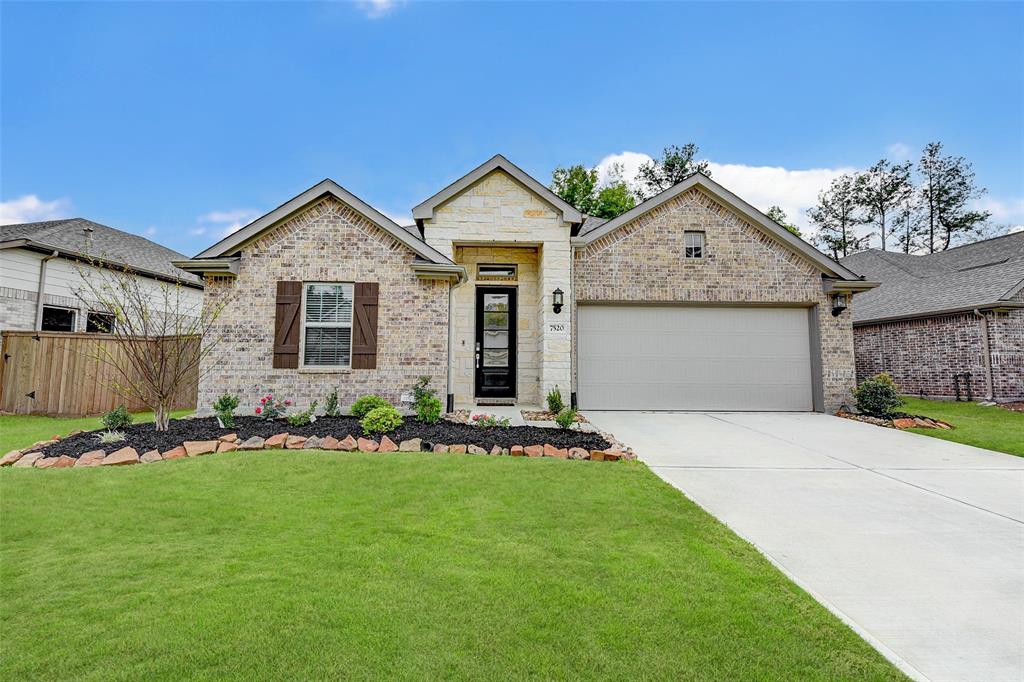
(224,222)
(1008,210)
(30,209)
(402,219)
(151,231)
(898,151)
(375,9)
(794,191)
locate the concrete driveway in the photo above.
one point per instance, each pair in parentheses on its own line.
(917,543)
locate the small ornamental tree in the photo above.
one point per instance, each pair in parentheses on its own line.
(160,335)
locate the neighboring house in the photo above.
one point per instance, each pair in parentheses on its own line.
(503,291)
(951,318)
(52,257)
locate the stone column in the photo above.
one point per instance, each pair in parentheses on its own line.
(555,333)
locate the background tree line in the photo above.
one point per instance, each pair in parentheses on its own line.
(916,208)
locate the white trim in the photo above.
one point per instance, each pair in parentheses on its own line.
(74,319)
(320,325)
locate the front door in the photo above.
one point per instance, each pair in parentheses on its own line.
(495,342)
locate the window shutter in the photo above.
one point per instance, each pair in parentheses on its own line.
(286,325)
(364,326)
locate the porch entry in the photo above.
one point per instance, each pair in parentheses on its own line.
(495,351)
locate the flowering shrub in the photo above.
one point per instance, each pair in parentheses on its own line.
(271,407)
(489,421)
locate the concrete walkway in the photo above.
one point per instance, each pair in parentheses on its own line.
(917,543)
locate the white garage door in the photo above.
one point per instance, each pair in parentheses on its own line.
(693,358)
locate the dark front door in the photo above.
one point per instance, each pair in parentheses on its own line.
(495,342)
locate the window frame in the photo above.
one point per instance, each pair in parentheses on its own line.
(74,319)
(325,325)
(702,247)
(111,316)
(481,276)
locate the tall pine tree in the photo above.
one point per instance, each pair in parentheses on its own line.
(675,165)
(947,187)
(837,215)
(883,189)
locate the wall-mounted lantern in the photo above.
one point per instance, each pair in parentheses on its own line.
(556,299)
(840,302)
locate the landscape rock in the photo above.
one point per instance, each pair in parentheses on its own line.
(150,457)
(552,451)
(64,462)
(597,455)
(229,438)
(121,457)
(457,449)
(387,445)
(28,459)
(331,443)
(496,450)
(295,442)
(367,445)
(314,443)
(903,423)
(516,451)
(94,458)
(226,447)
(612,455)
(349,444)
(534,450)
(411,445)
(253,443)
(277,441)
(45,462)
(440,447)
(194,448)
(476,450)
(10,458)
(578,453)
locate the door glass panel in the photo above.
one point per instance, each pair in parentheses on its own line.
(496,303)
(495,339)
(495,357)
(495,320)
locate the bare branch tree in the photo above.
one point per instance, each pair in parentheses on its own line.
(161,336)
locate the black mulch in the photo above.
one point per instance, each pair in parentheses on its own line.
(143,437)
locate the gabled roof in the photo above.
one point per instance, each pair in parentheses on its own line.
(232,244)
(88,240)
(985,274)
(425,210)
(729,199)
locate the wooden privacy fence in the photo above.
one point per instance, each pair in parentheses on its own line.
(57,373)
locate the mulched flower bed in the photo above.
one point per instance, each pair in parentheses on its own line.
(898,420)
(143,437)
(546,416)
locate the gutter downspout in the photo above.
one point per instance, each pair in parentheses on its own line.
(41,291)
(986,354)
(450,395)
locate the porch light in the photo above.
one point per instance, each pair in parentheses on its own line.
(839,303)
(556,299)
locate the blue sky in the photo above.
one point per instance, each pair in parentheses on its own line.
(182,120)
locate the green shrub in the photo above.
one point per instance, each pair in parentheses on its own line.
(331,408)
(362,407)
(381,420)
(554,400)
(304,417)
(117,419)
(110,436)
(566,418)
(428,410)
(225,409)
(422,391)
(878,396)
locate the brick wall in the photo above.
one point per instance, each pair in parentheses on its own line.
(327,242)
(643,261)
(1006,345)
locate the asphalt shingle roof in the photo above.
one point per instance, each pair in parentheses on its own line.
(963,277)
(104,243)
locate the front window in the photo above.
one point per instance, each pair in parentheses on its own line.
(58,319)
(327,325)
(693,243)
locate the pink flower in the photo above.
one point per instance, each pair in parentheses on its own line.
(287,402)
(263,401)
(258,410)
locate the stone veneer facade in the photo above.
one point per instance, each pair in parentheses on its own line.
(497,211)
(326,242)
(644,261)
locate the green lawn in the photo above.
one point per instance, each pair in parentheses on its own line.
(985,427)
(311,565)
(18,431)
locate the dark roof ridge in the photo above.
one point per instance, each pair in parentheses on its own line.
(1019,233)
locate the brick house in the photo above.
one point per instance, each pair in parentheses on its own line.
(948,321)
(502,291)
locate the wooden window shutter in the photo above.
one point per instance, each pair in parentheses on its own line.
(364,326)
(287,324)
